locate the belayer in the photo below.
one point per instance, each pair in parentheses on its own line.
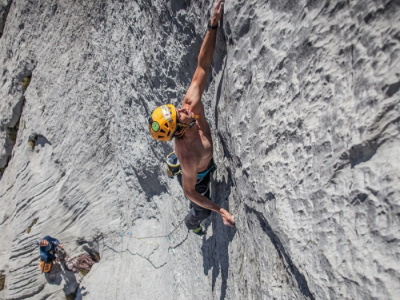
(193,142)
(48,248)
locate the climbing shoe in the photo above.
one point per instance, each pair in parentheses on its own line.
(199,230)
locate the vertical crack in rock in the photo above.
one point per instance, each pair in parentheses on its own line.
(3,16)
(11,137)
(12,127)
(225,147)
(218,96)
(300,279)
(219,66)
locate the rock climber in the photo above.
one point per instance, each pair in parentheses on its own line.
(193,142)
(48,248)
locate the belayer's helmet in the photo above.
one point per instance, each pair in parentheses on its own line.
(162,122)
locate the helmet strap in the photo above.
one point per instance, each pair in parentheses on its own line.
(185,127)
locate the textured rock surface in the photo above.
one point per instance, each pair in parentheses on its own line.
(304,107)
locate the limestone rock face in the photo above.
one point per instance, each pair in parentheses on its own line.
(304,105)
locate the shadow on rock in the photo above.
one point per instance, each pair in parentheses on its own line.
(60,271)
(42,141)
(54,276)
(36,139)
(215,248)
(71,284)
(216,257)
(275,240)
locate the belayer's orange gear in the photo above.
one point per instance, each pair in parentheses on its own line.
(44,266)
(162,122)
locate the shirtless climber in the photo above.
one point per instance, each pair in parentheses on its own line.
(193,143)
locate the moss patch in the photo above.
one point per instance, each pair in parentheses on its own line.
(83,272)
(96,256)
(28,230)
(70,296)
(2,281)
(26,81)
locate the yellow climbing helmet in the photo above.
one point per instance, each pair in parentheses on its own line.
(162,122)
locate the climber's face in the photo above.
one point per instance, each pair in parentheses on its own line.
(43,243)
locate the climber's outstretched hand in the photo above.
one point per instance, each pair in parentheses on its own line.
(227,218)
(217,12)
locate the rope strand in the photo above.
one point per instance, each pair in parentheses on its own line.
(100,236)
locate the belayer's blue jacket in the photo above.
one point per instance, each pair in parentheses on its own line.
(47,253)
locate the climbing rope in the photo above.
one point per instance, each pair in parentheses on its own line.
(100,236)
(161,236)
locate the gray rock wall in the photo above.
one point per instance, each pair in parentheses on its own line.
(303,102)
